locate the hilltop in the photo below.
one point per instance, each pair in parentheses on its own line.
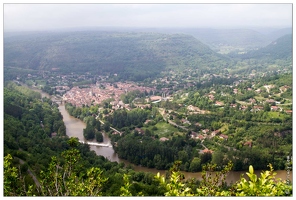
(132,55)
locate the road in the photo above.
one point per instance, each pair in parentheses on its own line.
(161,111)
(110,126)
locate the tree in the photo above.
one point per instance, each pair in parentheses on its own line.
(174,186)
(98,125)
(99,137)
(106,127)
(63,180)
(88,133)
(195,165)
(183,156)
(206,157)
(265,185)
(213,182)
(266,107)
(10,177)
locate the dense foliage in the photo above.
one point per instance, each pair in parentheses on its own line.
(67,179)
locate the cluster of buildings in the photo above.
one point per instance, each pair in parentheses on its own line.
(96,94)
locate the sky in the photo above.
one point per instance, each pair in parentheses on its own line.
(28,17)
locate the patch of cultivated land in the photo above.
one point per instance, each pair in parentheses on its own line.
(165,129)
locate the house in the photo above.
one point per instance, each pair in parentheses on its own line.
(211,97)
(162,139)
(270,101)
(257,108)
(251,100)
(193,134)
(192,108)
(289,111)
(233,105)
(198,124)
(274,108)
(224,137)
(258,90)
(206,150)
(140,131)
(214,133)
(185,121)
(54,134)
(205,131)
(249,143)
(201,137)
(219,103)
(243,107)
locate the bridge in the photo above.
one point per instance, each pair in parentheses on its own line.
(96,144)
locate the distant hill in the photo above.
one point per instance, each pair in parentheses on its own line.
(279,33)
(232,37)
(131,55)
(278,49)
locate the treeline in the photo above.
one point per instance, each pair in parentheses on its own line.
(124,118)
(150,152)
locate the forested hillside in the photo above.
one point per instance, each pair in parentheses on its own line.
(232,37)
(218,39)
(278,49)
(133,56)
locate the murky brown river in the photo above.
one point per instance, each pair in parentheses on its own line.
(74,128)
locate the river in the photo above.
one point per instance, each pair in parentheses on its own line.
(74,128)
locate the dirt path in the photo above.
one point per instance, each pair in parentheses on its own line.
(31,174)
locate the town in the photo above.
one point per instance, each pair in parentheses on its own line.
(250,96)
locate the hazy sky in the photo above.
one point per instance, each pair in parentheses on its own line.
(57,16)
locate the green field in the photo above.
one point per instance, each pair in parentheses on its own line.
(165,129)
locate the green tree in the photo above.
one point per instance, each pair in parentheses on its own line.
(265,185)
(195,165)
(67,179)
(266,107)
(213,182)
(106,126)
(10,177)
(99,137)
(89,132)
(175,186)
